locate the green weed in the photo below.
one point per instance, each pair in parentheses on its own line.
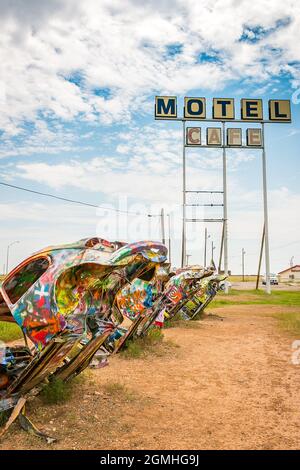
(10,331)
(56,391)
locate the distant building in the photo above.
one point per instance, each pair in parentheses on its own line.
(290,274)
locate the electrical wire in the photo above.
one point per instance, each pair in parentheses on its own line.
(73,201)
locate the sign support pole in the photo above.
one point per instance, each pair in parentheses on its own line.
(260,258)
(266,225)
(225,240)
(279,111)
(183,250)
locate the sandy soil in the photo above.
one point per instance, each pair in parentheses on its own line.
(229,385)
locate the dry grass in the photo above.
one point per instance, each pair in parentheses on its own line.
(178,322)
(151,344)
(289,322)
(119,390)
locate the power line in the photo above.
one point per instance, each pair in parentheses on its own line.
(272,249)
(73,201)
(287,244)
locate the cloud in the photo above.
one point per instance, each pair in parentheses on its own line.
(71,70)
(43,138)
(145,165)
(126,48)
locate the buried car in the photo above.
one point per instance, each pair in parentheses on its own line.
(177,291)
(62,299)
(136,304)
(209,287)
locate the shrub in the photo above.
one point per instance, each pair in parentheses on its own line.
(133,349)
(56,391)
(148,344)
(4,415)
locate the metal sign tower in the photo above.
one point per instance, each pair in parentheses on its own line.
(223,111)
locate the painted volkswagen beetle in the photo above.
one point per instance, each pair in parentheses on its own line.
(135,303)
(209,287)
(177,288)
(181,288)
(62,298)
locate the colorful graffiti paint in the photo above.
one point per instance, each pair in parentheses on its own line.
(176,292)
(136,303)
(73,299)
(63,298)
(182,287)
(209,287)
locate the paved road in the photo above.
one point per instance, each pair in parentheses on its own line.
(248,285)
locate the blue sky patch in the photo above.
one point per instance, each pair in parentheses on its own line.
(254,34)
(104,92)
(76,78)
(211,57)
(172,50)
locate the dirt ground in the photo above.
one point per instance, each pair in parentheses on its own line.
(224,384)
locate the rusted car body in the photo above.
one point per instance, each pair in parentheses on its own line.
(63,299)
(136,302)
(177,291)
(209,287)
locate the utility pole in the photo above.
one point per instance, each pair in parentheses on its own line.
(169,232)
(221,250)
(206,236)
(205,242)
(212,252)
(187,259)
(162,221)
(7,253)
(243,263)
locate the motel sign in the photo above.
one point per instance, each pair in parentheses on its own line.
(223,109)
(223,112)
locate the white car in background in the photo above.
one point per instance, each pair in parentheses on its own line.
(273,280)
